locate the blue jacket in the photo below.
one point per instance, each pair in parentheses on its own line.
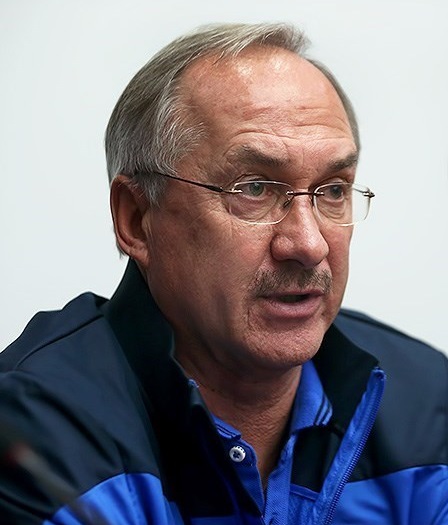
(94,389)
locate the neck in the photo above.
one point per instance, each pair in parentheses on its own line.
(258,409)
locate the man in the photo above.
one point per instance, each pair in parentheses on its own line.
(222,384)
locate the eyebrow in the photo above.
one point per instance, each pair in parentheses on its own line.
(249,155)
(349,161)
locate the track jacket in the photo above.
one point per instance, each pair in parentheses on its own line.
(95,391)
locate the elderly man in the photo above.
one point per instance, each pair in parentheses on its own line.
(222,384)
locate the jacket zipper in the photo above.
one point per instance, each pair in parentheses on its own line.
(371,410)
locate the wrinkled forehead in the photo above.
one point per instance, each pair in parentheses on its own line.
(259,80)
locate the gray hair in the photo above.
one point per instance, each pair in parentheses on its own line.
(150,129)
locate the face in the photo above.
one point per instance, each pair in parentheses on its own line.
(242,297)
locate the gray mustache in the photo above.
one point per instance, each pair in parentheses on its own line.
(267,282)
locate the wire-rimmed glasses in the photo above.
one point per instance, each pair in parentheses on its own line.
(268,202)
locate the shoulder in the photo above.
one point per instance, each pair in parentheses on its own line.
(52,327)
(416,373)
(67,389)
(68,361)
(412,425)
(73,345)
(392,347)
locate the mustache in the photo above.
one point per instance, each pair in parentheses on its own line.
(267,281)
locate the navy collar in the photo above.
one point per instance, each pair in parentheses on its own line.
(147,339)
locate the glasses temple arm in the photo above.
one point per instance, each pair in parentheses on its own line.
(211,187)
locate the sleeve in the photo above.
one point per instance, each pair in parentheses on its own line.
(80,475)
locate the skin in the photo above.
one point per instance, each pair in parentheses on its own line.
(270,112)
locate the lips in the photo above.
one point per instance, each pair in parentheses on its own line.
(292,298)
(287,296)
(291,306)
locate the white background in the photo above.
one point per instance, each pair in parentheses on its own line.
(63,65)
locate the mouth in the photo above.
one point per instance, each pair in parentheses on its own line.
(292,306)
(291,298)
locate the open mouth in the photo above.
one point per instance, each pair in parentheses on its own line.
(292,298)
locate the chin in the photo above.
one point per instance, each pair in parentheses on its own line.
(286,351)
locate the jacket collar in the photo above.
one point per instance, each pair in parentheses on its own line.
(176,409)
(147,341)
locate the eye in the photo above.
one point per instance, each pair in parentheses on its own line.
(254,189)
(335,192)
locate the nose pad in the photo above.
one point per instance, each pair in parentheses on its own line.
(298,236)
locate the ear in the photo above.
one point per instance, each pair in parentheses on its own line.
(129,208)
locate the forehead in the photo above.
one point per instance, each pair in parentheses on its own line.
(264,90)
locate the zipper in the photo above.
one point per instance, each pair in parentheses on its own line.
(371,409)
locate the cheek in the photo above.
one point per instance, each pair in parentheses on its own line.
(242,250)
(338,257)
(203,252)
(227,240)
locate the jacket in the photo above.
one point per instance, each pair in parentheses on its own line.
(95,391)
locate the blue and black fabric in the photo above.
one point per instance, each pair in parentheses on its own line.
(95,391)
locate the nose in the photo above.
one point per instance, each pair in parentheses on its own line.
(298,236)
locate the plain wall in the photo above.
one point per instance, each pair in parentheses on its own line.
(63,65)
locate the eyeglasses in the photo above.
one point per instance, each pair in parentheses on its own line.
(268,202)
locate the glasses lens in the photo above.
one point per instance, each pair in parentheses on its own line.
(267,202)
(258,201)
(342,203)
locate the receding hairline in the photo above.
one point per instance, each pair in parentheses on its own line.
(149,129)
(232,39)
(216,57)
(190,83)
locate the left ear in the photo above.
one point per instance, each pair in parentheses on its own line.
(129,207)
